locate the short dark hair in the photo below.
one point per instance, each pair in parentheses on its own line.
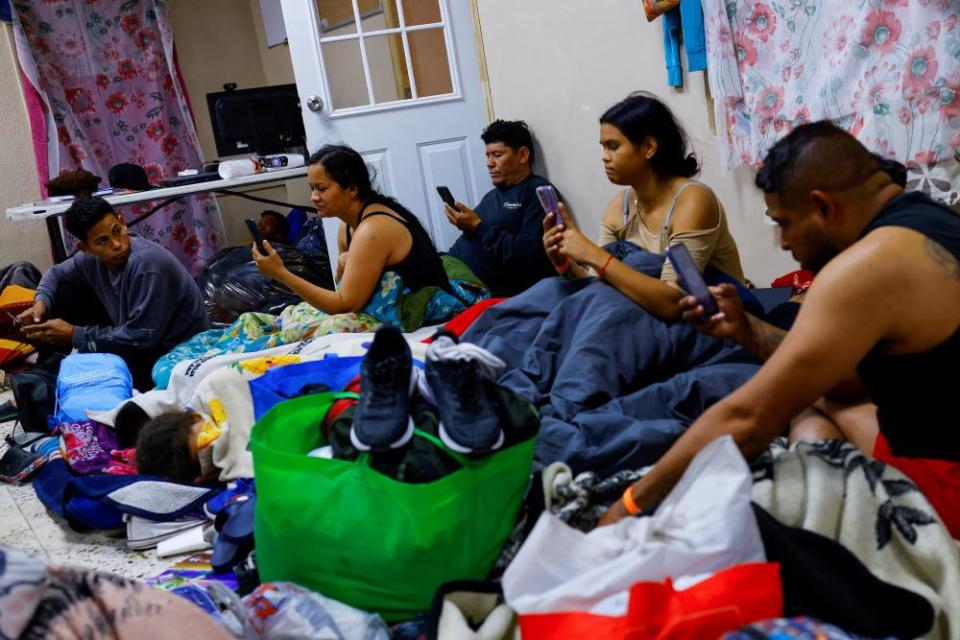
(513,133)
(346,167)
(819,155)
(282,225)
(893,168)
(163,447)
(84,214)
(642,115)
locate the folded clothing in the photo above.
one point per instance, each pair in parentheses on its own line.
(146,534)
(86,446)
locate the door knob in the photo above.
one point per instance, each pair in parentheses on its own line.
(315,104)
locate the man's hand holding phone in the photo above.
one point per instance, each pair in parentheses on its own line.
(56,331)
(33,315)
(462,217)
(730,320)
(458,214)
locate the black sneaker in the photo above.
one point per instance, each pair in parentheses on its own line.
(469,420)
(382,419)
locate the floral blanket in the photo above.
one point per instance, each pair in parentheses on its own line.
(391,304)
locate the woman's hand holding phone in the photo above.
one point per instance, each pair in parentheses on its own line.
(566,241)
(269,263)
(552,235)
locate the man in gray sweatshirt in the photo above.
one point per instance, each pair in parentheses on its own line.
(150,301)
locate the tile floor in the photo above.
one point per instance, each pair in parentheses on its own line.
(27,525)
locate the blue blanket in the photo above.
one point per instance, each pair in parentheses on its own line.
(615,386)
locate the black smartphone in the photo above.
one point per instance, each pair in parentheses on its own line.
(447,197)
(255,234)
(691,279)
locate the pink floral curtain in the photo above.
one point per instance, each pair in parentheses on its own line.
(886,70)
(110,93)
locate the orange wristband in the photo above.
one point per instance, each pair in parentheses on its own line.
(629,503)
(606,264)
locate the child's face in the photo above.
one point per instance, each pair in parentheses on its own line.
(195,438)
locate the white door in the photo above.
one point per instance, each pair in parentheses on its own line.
(399,81)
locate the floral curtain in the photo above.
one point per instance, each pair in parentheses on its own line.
(888,71)
(109,93)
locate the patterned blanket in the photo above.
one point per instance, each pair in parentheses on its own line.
(873,510)
(390,304)
(62,602)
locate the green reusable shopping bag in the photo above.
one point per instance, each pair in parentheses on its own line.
(353,534)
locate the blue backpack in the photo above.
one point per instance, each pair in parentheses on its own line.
(91,381)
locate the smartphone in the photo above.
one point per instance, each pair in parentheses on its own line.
(691,279)
(255,234)
(549,202)
(447,197)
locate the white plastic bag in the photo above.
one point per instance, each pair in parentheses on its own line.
(706,524)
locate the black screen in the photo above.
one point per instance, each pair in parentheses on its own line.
(260,120)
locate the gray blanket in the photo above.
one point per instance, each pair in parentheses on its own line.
(615,386)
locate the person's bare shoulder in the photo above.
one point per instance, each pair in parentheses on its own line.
(613,213)
(899,279)
(697,209)
(380,227)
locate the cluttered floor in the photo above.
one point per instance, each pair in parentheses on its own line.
(29,526)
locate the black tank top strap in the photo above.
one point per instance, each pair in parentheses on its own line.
(422,266)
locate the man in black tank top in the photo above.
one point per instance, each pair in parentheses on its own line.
(883,312)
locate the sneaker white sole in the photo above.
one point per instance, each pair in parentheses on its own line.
(453,445)
(402,440)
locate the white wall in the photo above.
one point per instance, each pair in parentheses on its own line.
(18,169)
(559,64)
(221,41)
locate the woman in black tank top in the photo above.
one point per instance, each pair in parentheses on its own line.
(377,234)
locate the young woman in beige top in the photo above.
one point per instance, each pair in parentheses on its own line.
(645,149)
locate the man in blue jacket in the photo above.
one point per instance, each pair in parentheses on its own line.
(502,238)
(149,301)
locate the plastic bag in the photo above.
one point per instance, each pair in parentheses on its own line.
(285,611)
(231,284)
(706,524)
(725,602)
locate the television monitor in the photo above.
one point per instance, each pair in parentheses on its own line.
(260,120)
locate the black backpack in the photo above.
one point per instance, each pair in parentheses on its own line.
(34,392)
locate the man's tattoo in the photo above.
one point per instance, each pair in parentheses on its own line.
(942,257)
(764,338)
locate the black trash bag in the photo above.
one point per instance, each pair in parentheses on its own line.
(231,284)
